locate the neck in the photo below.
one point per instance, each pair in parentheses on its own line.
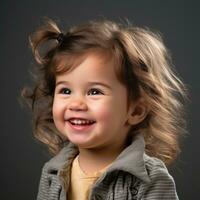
(93,160)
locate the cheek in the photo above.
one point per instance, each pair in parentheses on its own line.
(103,112)
(58,116)
(111,112)
(57,111)
(54,110)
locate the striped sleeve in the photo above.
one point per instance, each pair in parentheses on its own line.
(43,186)
(161,186)
(49,186)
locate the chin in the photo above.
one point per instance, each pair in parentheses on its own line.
(84,145)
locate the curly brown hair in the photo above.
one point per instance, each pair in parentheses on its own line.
(144,67)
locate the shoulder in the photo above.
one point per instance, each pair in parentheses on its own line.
(161,184)
(155,168)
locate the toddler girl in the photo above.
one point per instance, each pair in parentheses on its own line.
(109,106)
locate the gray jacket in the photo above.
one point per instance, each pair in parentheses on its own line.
(132,176)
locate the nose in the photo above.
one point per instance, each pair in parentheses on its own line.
(77,104)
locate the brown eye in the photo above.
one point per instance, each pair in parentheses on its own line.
(65,91)
(94,91)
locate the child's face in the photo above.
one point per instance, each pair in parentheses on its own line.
(90,104)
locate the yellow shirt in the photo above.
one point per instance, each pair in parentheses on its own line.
(81,183)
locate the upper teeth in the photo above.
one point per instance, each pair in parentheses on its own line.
(81,121)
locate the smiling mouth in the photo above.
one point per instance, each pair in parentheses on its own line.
(81,122)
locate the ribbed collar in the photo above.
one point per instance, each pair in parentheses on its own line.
(131,159)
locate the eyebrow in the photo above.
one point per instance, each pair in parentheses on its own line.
(62,82)
(89,83)
(99,83)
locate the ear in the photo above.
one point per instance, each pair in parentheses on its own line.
(137,112)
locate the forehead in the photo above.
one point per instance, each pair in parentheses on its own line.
(96,60)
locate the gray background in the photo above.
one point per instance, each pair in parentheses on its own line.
(22,157)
